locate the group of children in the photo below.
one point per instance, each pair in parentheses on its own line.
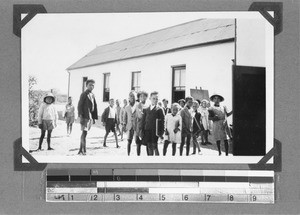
(184,122)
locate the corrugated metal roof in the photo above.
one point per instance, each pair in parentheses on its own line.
(193,33)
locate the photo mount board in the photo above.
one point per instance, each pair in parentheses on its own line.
(33,9)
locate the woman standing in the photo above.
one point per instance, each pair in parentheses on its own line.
(218,114)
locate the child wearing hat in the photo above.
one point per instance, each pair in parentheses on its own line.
(173,127)
(218,114)
(47,119)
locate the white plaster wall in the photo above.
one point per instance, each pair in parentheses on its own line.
(206,66)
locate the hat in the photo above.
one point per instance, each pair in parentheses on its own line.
(181,100)
(204,100)
(49,95)
(216,94)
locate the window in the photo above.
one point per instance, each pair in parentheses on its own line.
(106,87)
(84,79)
(136,81)
(178,85)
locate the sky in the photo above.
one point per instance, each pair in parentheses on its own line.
(50,43)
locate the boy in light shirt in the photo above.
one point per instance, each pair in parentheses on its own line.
(47,119)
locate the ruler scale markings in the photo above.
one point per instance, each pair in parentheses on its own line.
(131,185)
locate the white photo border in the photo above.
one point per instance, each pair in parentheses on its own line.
(182,159)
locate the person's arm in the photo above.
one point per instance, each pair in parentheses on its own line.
(161,121)
(40,114)
(80,105)
(180,124)
(166,123)
(95,112)
(183,127)
(121,116)
(144,119)
(55,116)
(227,113)
(103,116)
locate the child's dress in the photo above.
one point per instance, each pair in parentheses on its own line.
(171,122)
(204,117)
(70,114)
(219,127)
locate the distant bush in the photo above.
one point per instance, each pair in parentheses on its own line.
(35,100)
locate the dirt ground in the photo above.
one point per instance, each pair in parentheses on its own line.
(65,145)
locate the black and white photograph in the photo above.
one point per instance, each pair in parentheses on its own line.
(176,87)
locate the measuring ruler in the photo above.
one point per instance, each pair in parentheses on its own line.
(158,185)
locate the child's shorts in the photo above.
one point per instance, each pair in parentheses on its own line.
(86,124)
(110,125)
(70,120)
(47,125)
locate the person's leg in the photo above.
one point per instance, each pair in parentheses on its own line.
(105,137)
(226,146)
(166,143)
(82,141)
(43,132)
(194,139)
(188,143)
(202,137)
(129,141)
(219,146)
(155,149)
(182,144)
(138,145)
(68,128)
(173,149)
(197,144)
(49,139)
(116,138)
(121,131)
(206,136)
(71,125)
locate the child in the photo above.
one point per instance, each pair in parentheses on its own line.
(47,119)
(165,107)
(173,126)
(205,122)
(218,114)
(130,120)
(153,124)
(118,111)
(109,120)
(181,103)
(122,112)
(197,127)
(88,113)
(69,115)
(186,132)
(142,105)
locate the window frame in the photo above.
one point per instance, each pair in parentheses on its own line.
(138,80)
(106,89)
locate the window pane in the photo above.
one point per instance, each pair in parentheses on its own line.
(182,81)
(176,77)
(106,76)
(135,79)
(138,80)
